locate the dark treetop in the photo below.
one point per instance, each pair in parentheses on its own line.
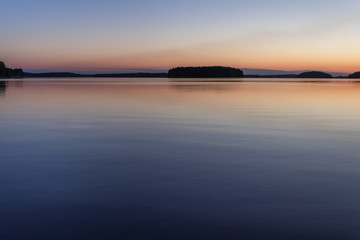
(10,73)
(355,75)
(314,75)
(205,72)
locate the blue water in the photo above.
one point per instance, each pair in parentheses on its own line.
(152,159)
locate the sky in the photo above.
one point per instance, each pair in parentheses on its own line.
(138,35)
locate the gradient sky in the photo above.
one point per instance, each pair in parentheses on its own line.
(106,35)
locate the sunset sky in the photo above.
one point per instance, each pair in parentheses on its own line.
(135,35)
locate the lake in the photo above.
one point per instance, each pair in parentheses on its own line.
(159,159)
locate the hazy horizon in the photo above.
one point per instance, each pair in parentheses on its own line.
(100,36)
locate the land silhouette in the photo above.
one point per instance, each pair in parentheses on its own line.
(100,75)
(355,75)
(10,73)
(314,74)
(178,72)
(205,72)
(170,74)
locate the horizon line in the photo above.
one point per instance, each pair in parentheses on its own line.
(155,71)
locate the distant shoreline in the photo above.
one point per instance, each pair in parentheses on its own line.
(139,75)
(100,75)
(178,72)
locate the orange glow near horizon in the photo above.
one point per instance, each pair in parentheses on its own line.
(242,55)
(163,62)
(272,52)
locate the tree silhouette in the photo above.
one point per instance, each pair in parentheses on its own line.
(8,73)
(314,74)
(355,75)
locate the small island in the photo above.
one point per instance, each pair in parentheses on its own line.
(314,74)
(205,72)
(355,75)
(10,73)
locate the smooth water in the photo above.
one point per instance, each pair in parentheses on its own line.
(151,159)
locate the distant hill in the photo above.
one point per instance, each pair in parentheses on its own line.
(269,72)
(314,74)
(205,72)
(355,75)
(10,73)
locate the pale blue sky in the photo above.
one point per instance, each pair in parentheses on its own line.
(110,35)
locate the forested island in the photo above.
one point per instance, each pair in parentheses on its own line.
(10,73)
(205,72)
(314,74)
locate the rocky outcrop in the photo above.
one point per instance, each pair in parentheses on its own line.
(314,74)
(205,72)
(10,73)
(355,75)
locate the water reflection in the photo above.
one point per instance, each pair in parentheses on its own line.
(202,87)
(3,85)
(165,160)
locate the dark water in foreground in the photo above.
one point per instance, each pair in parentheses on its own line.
(160,160)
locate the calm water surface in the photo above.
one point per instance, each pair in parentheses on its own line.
(152,159)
